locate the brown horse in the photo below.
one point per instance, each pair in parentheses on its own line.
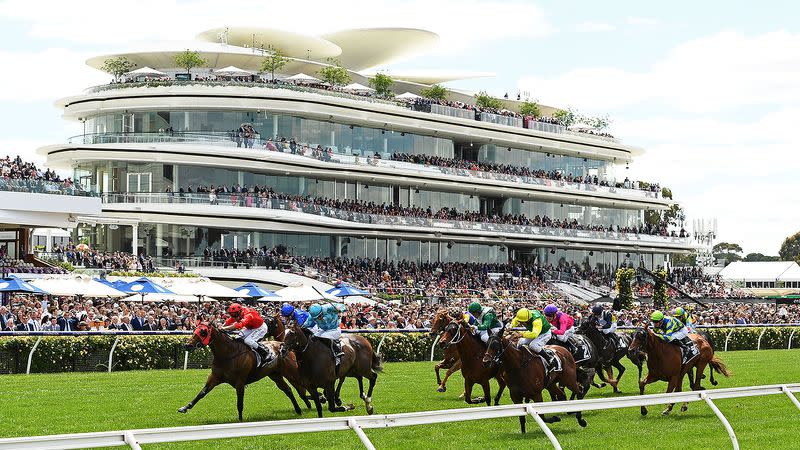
(664,363)
(451,361)
(359,361)
(234,363)
(470,350)
(275,327)
(525,374)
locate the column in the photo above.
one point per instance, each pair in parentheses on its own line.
(159,239)
(48,244)
(135,240)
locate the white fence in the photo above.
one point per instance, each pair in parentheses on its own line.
(133,438)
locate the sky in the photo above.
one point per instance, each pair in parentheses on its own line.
(710,90)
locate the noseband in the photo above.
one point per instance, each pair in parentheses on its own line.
(458,337)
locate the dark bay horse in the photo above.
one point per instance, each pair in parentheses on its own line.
(664,363)
(275,327)
(451,360)
(606,360)
(470,350)
(234,363)
(525,374)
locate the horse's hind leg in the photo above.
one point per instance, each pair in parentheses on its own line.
(330,393)
(373,377)
(487,393)
(338,391)
(621,370)
(210,384)
(455,368)
(700,368)
(366,399)
(281,383)
(315,396)
(501,385)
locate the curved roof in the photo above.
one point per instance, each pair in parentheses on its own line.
(432,76)
(363,48)
(293,44)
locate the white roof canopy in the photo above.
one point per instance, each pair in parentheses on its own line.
(76,285)
(233,71)
(189,286)
(145,71)
(761,271)
(407,96)
(303,78)
(357,87)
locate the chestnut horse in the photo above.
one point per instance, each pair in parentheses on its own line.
(235,363)
(664,363)
(525,375)
(470,350)
(451,361)
(275,327)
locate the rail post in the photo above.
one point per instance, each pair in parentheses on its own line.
(361,435)
(763,330)
(790,339)
(722,419)
(130,439)
(543,426)
(380,344)
(30,355)
(727,337)
(111,353)
(185,360)
(433,347)
(786,391)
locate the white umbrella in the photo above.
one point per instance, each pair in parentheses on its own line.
(146,71)
(303,78)
(233,71)
(191,286)
(356,87)
(407,96)
(78,285)
(300,293)
(358,301)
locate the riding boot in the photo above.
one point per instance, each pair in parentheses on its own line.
(549,360)
(336,349)
(688,348)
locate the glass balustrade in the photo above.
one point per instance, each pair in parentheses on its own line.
(42,187)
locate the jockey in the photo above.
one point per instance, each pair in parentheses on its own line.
(486,319)
(538,333)
(672,330)
(250,325)
(470,319)
(607,324)
(686,319)
(323,321)
(562,325)
(291,313)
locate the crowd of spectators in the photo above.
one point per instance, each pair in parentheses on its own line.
(19,175)
(519,171)
(88,258)
(263,196)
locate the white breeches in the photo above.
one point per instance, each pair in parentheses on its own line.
(251,337)
(484,334)
(537,344)
(333,334)
(564,337)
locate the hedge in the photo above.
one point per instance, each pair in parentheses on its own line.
(90,353)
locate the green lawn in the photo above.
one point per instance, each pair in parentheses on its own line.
(82,402)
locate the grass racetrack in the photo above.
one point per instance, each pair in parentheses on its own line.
(83,402)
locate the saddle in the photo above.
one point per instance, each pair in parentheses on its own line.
(581,351)
(688,352)
(554,363)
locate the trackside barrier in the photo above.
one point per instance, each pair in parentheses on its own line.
(134,438)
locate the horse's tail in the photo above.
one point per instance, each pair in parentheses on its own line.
(720,367)
(377,362)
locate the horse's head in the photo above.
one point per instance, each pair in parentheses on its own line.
(201,337)
(440,321)
(294,339)
(453,334)
(587,324)
(638,341)
(494,349)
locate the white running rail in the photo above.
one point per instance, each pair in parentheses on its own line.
(134,438)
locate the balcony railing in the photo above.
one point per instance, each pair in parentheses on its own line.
(351,156)
(253,201)
(433,108)
(42,187)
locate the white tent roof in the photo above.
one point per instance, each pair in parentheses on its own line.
(144,71)
(357,87)
(191,286)
(407,96)
(154,297)
(303,78)
(233,71)
(761,271)
(76,285)
(304,293)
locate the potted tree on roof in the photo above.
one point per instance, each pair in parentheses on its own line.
(188,60)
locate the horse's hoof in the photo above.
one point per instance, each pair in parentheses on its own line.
(441,389)
(684,408)
(349,407)
(478,400)
(644,411)
(553,419)
(370,410)
(665,412)
(183,409)
(582,423)
(460,397)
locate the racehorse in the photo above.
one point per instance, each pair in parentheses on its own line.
(664,363)
(607,359)
(587,366)
(235,363)
(525,374)
(275,327)
(359,361)
(470,349)
(451,361)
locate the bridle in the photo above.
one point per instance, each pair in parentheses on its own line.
(496,358)
(457,337)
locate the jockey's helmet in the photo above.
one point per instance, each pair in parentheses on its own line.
(550,310)
(235,309)
(597,310)
(523,315)
(474,308)
(657,316)
(679,312)
(315,310)
(287,310)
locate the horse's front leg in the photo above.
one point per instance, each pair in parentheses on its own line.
(487,393)
(453,369)
(468,392)
(642,384)
(211,382)
(674,385)
(621,370)
(281,383)
(240,399)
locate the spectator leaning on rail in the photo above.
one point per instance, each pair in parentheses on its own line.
(250,325)
(670,329)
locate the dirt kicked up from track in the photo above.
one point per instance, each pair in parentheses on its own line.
(83,402)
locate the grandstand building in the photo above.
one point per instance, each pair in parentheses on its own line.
(151,140)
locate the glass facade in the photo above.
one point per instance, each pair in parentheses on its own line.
(343,138)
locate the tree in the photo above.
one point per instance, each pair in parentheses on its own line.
(274,61)
(625,277)
(670,215)
(382,83)
(188,60)
(660,293)
(565,117)
(434,92)
(485,100)
(117,67)
(334,74)
(790,249)
(759,257)
(666,193)
(683,260)
(729,252)
(529,109)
